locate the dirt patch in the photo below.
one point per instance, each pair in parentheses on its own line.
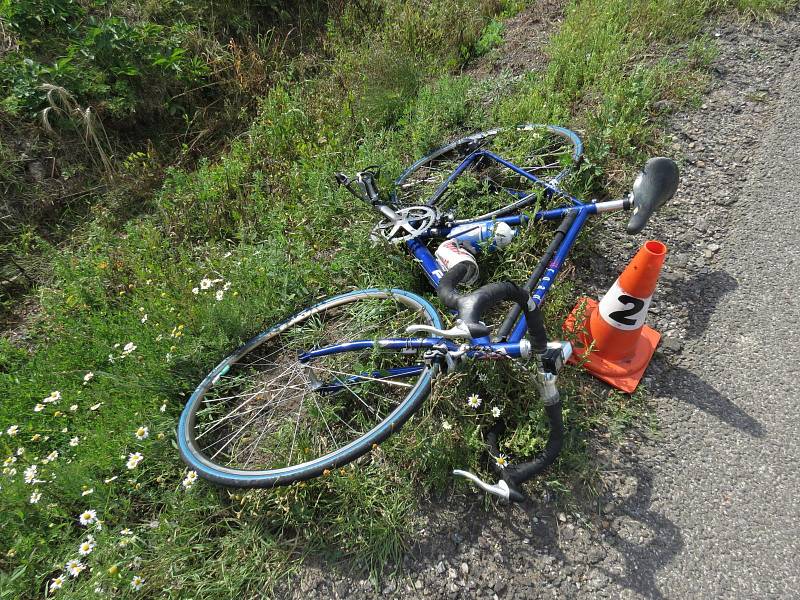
(525,38)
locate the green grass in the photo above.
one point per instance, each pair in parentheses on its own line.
(266,218)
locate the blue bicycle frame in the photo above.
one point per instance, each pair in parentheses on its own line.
(481,348)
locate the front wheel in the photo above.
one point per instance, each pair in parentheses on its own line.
(309,394)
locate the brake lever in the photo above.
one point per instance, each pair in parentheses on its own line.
(459,331)
(500,489)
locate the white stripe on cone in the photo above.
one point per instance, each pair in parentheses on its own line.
(622,310)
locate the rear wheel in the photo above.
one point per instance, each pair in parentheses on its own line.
(486,188)
(272,414)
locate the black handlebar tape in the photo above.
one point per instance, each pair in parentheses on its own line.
(515,475)
(471,307)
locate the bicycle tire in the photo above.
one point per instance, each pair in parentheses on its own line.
(211,469)
(430,172)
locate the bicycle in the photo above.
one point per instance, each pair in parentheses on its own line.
(325,386)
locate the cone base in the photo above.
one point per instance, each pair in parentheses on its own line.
(623,374)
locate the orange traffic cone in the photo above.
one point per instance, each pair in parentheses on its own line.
(623,344)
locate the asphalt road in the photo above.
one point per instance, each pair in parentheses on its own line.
(728,475)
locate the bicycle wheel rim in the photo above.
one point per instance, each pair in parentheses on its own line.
(551,157)
(212,468)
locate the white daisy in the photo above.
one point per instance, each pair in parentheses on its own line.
(88,517)
(446,425)
(54,396)
(88,377)
(95,406)
(110,479)
(73,408)
(10,461)
(205,283)
(86,547)
(163,408)
(142,433)
(20,451)
(75,567)
(75,441)
(126,531)
(496,412)
(474,401)
(129,347)
(227,286)
(35,497)
(57,582)
(137,582)
(195,290)
(219,295)
(87,492)
(12,431)
(189,480)
(38,408)
(134,459)
(52,456)
(501,461)
(144,319)
(30,474)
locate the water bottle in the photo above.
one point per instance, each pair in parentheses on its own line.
(483,235)
(450,253)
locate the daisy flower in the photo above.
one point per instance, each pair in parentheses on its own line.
(110,479)
(95,406)
(52,456)
(88,377)
(88,517)
(474,401)
(54,396)
(73,408)
(219,295)
(134,459)
(189,480)
(87,492)
(38,408)
(20,451)
(163,408)
(30,474)
(74,567)
(137,582)
(12,431)
(205,283)
(35,497)
(501,461)
(126,531)
(144,319)
(57,582)
(195,290)
(129,347)
(496,412)
(10,461)
(142,433)
(86,547)
(75,441)
(446,425)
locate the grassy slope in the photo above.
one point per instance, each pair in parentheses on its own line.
(262,217)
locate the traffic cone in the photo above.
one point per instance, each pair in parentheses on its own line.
(623,344)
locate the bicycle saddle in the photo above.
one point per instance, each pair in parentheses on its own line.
(656,184)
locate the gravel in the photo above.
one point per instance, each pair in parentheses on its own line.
(709,506)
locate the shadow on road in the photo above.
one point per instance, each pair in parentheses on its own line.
(686,386)
(701,295)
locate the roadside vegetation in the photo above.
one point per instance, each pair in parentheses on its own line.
(165,172)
